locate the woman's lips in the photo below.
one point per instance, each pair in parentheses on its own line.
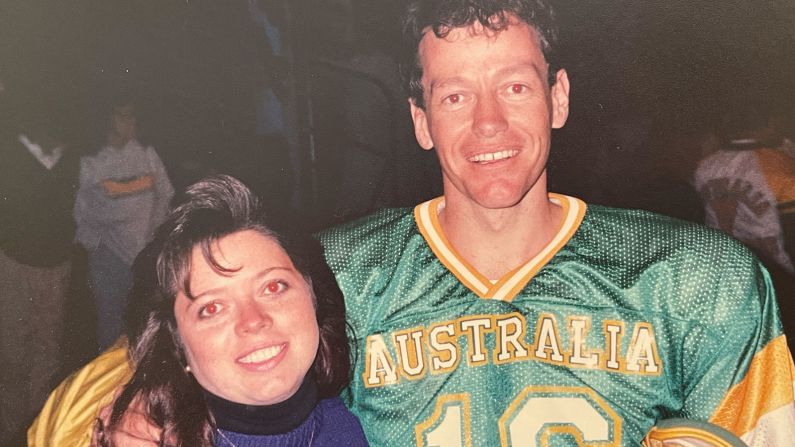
(266,357)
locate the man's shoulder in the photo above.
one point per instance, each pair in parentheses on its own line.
(683,269)
(378,242)
(381,226)
(638,222)
(657,237)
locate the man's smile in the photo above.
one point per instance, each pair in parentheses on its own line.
(491,157)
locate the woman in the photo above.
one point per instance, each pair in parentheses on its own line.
(237,333)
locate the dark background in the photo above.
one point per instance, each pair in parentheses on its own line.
(649,80)
(646,77)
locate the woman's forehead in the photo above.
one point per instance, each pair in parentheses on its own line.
(243,252)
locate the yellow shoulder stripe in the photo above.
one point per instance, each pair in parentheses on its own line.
(757,395)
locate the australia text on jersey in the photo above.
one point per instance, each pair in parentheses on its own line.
(415,352)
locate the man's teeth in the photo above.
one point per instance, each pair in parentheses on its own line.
(262,354)
(493,156)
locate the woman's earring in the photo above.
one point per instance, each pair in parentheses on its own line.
(187,368)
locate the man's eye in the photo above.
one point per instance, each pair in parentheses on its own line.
(455,98)
(518,88)
(210,309)
(275,287)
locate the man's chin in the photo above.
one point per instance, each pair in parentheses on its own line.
(500,201)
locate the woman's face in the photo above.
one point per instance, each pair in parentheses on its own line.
(250,335)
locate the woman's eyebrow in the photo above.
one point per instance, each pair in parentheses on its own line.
(259,275)
(213,291)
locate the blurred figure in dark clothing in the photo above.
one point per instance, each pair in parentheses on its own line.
(38,177)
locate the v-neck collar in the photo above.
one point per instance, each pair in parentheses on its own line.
(427,217)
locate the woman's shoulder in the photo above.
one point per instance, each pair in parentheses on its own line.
(333,409)
(338,425)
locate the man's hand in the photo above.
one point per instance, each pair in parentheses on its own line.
(135,429)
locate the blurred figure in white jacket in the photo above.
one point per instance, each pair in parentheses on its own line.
(124,195)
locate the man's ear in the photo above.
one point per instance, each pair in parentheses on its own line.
(421,132)
(560,99)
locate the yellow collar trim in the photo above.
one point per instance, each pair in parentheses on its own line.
(427,217)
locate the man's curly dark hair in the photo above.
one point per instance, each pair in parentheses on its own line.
(442,16)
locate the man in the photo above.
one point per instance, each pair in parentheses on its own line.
(500,314)
(38,175)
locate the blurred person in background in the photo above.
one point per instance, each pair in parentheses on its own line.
(747,184)
(38,177)
(124,195)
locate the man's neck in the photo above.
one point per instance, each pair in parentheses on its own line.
(496,241)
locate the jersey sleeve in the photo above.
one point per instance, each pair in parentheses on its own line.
(759,404)
(67,418)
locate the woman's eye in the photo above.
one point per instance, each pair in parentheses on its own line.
(210,309)
(275,287)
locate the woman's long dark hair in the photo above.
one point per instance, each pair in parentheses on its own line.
(209,210)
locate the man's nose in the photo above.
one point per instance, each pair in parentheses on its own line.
(489,119)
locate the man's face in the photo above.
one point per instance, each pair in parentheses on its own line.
(123,122)
(489,112)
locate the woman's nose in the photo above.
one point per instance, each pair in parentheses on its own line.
(252,318)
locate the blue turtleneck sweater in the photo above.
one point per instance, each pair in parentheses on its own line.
(330,424)
(300,421)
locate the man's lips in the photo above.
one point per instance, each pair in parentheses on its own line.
(490,157)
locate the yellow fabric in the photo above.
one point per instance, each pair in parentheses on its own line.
(67,419)
(779,170)
(757,395)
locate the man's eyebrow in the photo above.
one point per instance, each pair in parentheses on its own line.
(520,69)
(440,83)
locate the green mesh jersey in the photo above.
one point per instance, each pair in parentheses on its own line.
(624,319)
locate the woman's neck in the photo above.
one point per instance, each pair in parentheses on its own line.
(265,419)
